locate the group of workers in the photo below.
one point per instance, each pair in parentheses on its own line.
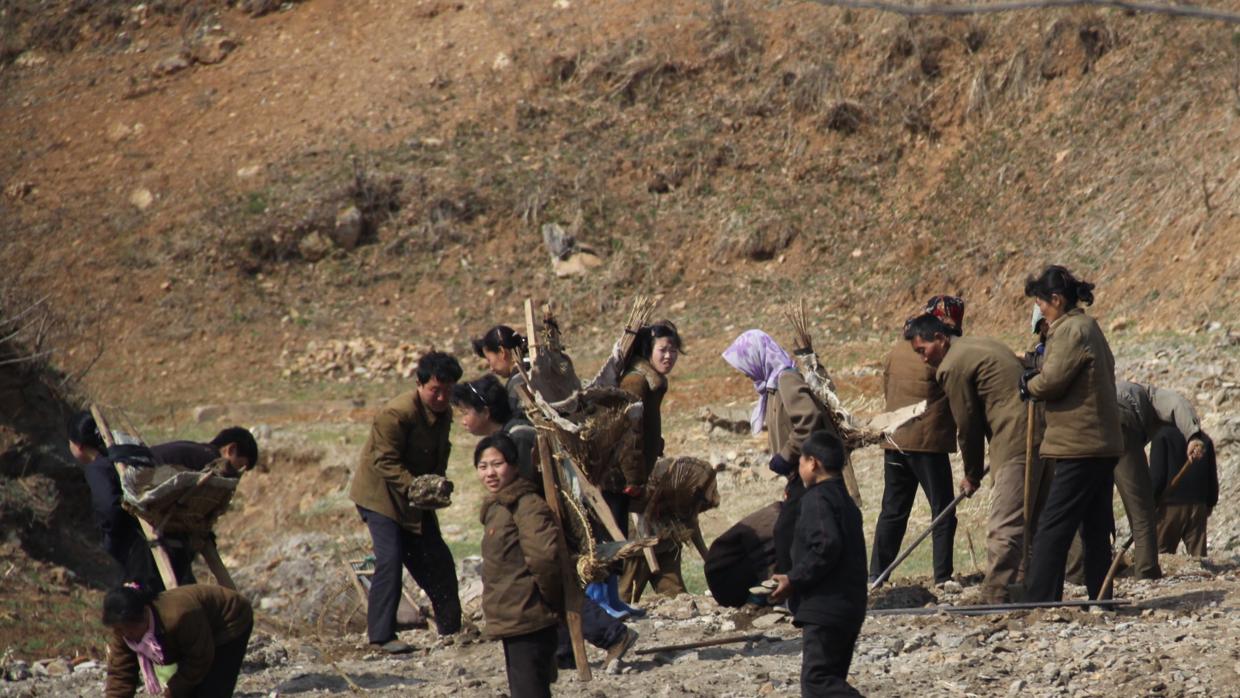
(1060,429)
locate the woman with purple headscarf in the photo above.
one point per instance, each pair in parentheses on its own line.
(788,410)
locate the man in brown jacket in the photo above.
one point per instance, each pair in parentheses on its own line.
(921,460)
(977,375)
(409,438)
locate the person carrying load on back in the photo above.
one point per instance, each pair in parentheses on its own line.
(234,444)
(919,451)
(655,352)
(789,411)
(408,446)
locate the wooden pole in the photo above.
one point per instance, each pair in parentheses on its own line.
(1027,541)
(924,534)
(162,562)
(211,555)
(572,591)
(1108,583)
(531,336)
(730,640)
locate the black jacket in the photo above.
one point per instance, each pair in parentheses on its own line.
(119,529)
(742,557)
(828,574)
(189,454)
(1198,486)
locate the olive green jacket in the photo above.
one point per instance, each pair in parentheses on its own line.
(1144,409)
(908,380)
(981,378)
(191,621)
(793,412)
(1077,385)
(522,590)
(404,442)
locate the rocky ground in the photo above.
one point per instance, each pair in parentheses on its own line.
(292,532)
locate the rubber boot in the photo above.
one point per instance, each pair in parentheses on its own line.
(614,600)
(597,591)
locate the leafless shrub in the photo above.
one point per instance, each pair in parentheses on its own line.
(730,38)
(809,88)
(845,116)
(630,72)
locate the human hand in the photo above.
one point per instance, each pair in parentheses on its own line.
(780,466)
(782,587)
(1196,450)
(634,491)
(967,486)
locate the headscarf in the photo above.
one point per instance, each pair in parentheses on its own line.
(150,653)
(761,359)
(949,310)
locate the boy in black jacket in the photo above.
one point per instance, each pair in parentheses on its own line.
(825,587)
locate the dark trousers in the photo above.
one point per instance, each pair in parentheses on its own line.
(1080,499)
(530,662)
(902,474)
(826,654)
(618,503)
(786,524)
(428,560)
(140,563)
(597,627)
(221,679)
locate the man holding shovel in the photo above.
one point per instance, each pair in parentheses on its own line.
(977,375)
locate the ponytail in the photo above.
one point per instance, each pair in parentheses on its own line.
(1057,279)
(500,337)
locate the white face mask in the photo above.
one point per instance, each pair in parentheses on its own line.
(1037,317)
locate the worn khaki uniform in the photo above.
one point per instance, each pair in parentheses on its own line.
(980,377)
(648,385)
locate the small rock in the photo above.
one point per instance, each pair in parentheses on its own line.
(118,132)
(212,48)
(89,665)
(1119,324)
(348,230)
(142,198)
(172,64)
(249,171)
(314,246)
(57,667)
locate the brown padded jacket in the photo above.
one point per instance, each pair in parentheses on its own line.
(978,375)
(648,385)
(793,412)
(405,441)
(191,621)
(908,380)
(522,591)
(1077,385)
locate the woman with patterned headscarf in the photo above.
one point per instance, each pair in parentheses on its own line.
(789,411)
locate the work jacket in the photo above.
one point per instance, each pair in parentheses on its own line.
(1144,410)
(1077,385)
(522,590)
(742,557)
(828,573)
(405,441)
(908,380)
(643,382)
(978,374)
(187,454)
(793,412)
(190,622)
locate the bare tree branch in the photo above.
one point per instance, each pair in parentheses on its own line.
(1017,5)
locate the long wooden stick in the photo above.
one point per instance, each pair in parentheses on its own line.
(211,555)
(1026,541)
(878,581)
(1108,583)
(162,561)
(572,592)
(730,640)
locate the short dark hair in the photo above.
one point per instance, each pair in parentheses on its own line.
(925,326)
(826,447)
(83,431)
(242,439)
(437,364)
(643,344)
(1057,279)
(500,442)
(126,604)
(500,337)
(484,393)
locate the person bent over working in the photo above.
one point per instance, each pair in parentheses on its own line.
(825,587)
(184,642)
(522,591)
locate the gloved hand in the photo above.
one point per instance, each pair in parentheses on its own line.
(1024,382)
(781,466)
(634,491)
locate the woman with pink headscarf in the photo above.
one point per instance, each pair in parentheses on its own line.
(788,410)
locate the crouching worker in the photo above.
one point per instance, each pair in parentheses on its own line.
(188,641)
(825,587)
(522,592)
